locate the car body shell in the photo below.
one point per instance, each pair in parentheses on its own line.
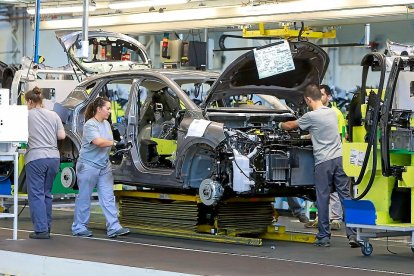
(230,134)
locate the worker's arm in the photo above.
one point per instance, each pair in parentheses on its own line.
(61,134)
(102,142)
(289,125)
(60,130)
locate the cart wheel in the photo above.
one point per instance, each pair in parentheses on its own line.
(366,249)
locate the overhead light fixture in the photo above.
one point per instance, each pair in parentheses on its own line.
(144,4)
(61,10)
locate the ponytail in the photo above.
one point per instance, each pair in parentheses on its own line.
(93,107)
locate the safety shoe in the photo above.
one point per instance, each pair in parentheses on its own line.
(312,224)
(353,241)
(84,233)
(324,242)
(119,232)
(39,235)
(336,224)
(303,218)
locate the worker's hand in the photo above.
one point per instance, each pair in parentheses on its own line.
(121,144)
(279,126)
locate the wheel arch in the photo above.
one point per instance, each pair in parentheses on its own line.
(196,162)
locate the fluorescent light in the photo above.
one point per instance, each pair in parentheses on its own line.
(145,3)
(63,9)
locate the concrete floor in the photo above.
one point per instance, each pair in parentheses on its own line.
(207,258)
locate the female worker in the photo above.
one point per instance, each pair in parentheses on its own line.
(42,161)
(93,169)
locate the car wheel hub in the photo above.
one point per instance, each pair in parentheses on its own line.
(210,191)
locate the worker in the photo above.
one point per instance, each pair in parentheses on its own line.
(335,208)
(42,161)
(322,124)
(297,210)
(94,171)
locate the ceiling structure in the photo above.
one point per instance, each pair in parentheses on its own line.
(212,14)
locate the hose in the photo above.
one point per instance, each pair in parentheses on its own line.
(397,66)
(367,61)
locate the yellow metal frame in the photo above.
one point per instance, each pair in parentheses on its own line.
(212,232)
(287,33)
(180,197)
(183,197)
(278,233)
(186,234)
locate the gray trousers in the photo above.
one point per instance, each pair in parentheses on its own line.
(88,178)
(335,207)
(327,174)
(40,174)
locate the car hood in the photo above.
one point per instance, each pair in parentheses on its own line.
(241,76)
(119,43)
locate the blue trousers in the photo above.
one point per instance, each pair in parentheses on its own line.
(88,178)
(327,174)
(40,175)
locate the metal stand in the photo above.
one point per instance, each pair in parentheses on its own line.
(390,231)
(12,156)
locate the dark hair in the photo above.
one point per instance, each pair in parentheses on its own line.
(312,91)
(93,107)
(327,89)
(34,95)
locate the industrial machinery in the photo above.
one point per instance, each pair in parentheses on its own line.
(13,130)
(380,150)
(108,52)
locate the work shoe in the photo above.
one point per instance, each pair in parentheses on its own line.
(39,235)
(353,241)
(312,224)
(336,224)
(119,232)
(303,218)
(84,233)
(324,242)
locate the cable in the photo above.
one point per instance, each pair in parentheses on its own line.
(24,206)
(368,61)
(27,75)
(73,68)
(237,165)
(302,29)
(386,231)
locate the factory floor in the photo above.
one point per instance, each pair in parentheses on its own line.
(137,254)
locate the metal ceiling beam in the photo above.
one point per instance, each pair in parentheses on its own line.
(231,16)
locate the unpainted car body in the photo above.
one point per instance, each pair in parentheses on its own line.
(226,145)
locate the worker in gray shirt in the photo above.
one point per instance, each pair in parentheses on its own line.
(322,124)
(42,161)
(94,170)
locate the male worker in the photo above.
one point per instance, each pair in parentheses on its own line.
(322,125)
(297,209)
(335,208)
